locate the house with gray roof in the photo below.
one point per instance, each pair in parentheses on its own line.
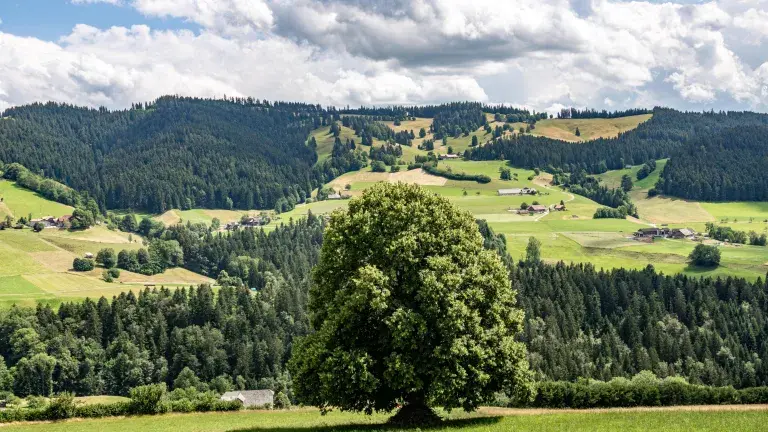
(250,398)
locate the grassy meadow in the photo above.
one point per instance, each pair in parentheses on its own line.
(565,129)
(716,418)
(20,202)
(37,267)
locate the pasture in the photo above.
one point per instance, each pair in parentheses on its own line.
(18,202)
(37,267)
(710,418)
(565,129)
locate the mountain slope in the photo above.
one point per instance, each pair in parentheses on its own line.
(173,153)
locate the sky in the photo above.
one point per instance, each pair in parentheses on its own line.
(539,54)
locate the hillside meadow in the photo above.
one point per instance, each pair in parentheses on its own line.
(689,419)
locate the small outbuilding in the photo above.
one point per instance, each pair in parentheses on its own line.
(537,208)
(250,398)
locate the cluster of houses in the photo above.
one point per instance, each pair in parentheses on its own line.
(51,222)
(540,209)
(665,232)
(249,222)
(517,191)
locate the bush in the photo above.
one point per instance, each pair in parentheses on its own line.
(83,264)
(148,399)
(282,401)
(36,402)
(621,392)
(103,410)
(62,407)
(705,256)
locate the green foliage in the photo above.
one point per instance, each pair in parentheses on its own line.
(34,375)
(393,327)
(705,256)
(130,158)
(282,401)
(61,407)
(533,251)
(38,226)
(187,379)
(106,258)
(378,166)
(434,170)
(83,264)
(626,183)
(148,399)
(620,392)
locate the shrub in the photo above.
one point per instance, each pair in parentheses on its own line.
(148,399)
(36,402)
(282,401)
(62,407)
(83,264)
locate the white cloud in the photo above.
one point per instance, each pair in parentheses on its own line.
(542,53)
(118,66)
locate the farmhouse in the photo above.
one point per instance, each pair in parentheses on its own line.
(449,156)
(559,207)
(47,221)
(334,196)
(537,208)
(682,233)
(250,398)
(63,221)
(652,232)
(253,221)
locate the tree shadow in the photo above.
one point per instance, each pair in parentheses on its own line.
(447,424)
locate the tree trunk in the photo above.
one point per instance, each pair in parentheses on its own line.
(415,412)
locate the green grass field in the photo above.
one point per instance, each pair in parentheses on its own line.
(19,202)
(37,267)
(734,419)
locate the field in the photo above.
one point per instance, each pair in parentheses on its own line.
(18,202)
(713,418)
(37,267)
(565,129)
(573,236)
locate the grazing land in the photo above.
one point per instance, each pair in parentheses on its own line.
(713,418)
(37,267)
(565,129)
(21,202)
(572,235)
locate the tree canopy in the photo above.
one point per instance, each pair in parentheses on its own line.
(408,307)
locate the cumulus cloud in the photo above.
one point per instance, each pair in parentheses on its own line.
(541,53)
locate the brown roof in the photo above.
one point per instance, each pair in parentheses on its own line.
(537,208)
(65,218)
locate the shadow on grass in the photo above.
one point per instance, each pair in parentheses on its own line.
(448,424)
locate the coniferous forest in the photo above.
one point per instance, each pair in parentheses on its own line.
(727,166)
(579,322)
(666,133)
(172,153)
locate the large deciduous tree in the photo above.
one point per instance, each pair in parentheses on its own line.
(408,308)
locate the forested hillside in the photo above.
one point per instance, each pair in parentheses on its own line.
(728,166)
(173,153)
(660,137)
(579,322)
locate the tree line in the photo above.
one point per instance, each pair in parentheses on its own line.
(726,166)
(173,153)
(587,113)
(658,138)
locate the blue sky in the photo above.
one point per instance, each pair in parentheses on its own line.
(541,54)
(52,19)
